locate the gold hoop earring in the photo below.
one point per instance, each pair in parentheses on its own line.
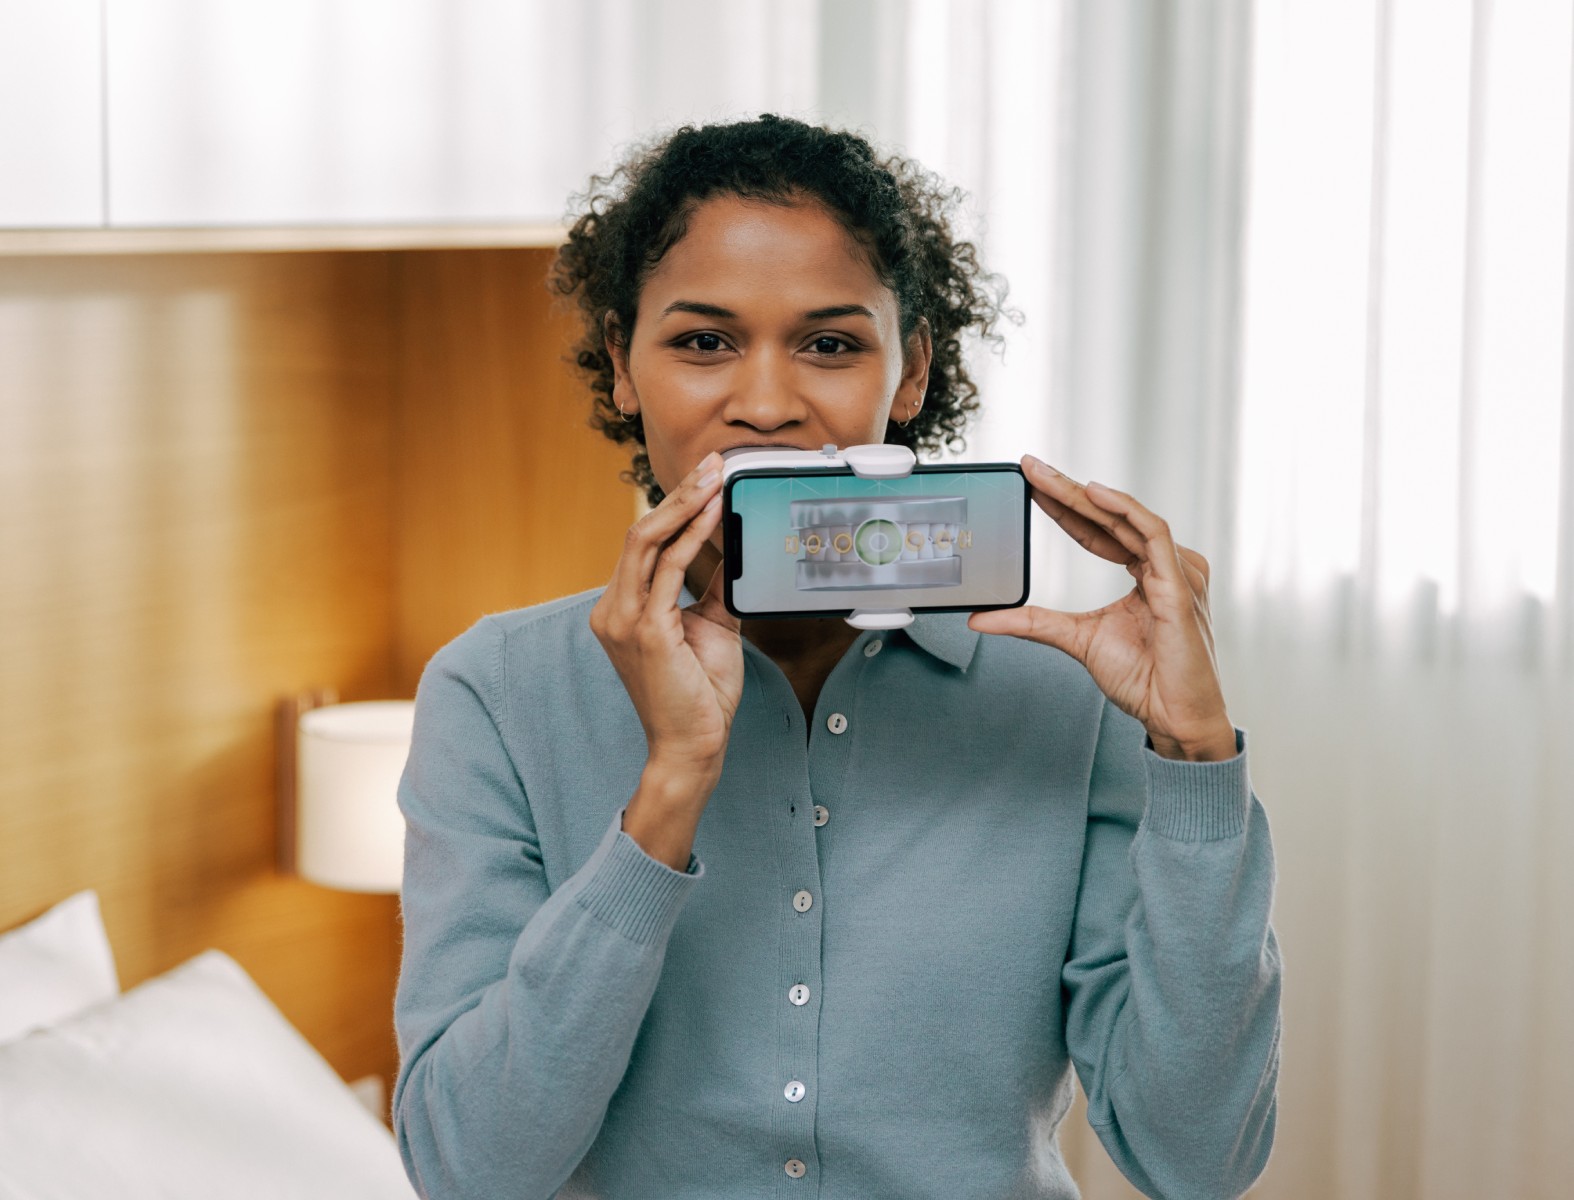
(909,421)
(627,420)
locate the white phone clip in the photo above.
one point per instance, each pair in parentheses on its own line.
(873,461)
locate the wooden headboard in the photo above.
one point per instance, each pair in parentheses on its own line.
(225,478)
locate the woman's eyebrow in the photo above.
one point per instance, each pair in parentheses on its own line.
(701,309)
(838,310)
(697,308)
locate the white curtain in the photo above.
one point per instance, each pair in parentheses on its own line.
(1311,303)
(1399,604)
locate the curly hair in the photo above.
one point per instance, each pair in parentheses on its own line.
(897,210)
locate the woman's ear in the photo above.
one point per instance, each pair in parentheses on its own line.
(623,394)
(917,354)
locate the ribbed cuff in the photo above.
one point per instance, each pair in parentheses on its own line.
(631,891)
(1198,801)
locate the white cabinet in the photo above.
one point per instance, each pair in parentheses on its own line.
(51,114)
(234,112)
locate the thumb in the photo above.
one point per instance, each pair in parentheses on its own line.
(1043,625)
(713,606)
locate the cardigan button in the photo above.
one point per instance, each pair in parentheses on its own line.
(794,1092)
(836,723)
(803,901)
(821,815)
(795,1168)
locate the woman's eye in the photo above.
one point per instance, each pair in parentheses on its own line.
(829,345)
(705,343)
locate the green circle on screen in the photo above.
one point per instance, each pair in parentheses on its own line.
(879,542)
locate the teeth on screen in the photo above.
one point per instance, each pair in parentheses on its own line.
(842,544)
(835,543)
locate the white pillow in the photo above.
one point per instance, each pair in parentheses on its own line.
(190,1085)
(55,966)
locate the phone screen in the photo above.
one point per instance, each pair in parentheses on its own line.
(827,541)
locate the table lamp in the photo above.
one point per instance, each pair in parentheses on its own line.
(347,830)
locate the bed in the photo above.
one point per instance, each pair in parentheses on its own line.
(192,1084)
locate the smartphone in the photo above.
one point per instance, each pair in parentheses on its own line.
(824,541)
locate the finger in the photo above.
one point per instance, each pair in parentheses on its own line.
(1196,579)
(1081,530)
(678,555)
(1194,566)
(1197,562)
(1160,547)
(669,518)
(713,604)
(1036,467)
(1074,496)
(1044,625)
(635,568)
(1197,574)
(1201,619)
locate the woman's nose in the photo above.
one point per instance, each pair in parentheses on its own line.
(764,395)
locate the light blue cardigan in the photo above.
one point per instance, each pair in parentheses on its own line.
(890,947)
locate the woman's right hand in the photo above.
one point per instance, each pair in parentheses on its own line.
(683,668)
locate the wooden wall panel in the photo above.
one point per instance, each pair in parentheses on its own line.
(505,496)
(195,485)
(227,478)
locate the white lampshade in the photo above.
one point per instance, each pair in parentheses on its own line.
(349,831)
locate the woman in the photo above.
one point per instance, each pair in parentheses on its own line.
(695,909)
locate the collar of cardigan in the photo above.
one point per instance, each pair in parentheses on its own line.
(943,635)
(946,636)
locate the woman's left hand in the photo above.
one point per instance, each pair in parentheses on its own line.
(1150,652)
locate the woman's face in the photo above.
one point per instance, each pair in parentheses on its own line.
(765,325)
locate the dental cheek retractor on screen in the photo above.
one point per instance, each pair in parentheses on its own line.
(890,541)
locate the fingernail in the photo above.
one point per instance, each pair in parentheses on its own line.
(705,480)
(1041,465)
(714,501)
